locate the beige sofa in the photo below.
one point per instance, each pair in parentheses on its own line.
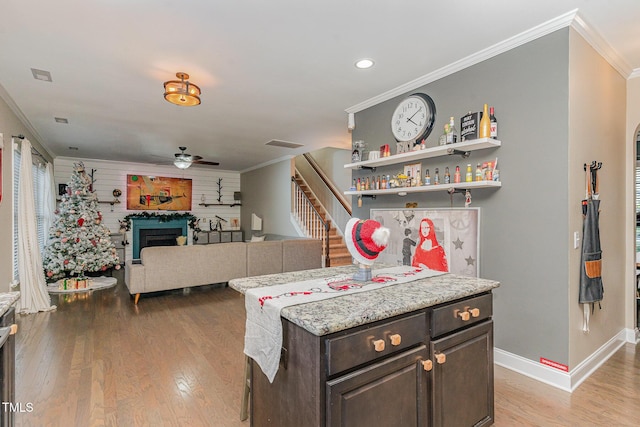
(172,267)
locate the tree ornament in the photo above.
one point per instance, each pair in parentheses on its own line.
(58,233)
(80,221)
(64,240)
(97,221)
(66,262)
(49,273)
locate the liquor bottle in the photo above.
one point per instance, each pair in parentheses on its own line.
(436,178)
(447,175)
(443,137)
(493,124)
(478,173)
(383,183)
(452,135)
(456,175)
(468,177)
(427,178)
(485,124)
(367,185)
(358,185)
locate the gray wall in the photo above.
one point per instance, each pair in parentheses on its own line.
(524,225)
(267,193)
(331,161)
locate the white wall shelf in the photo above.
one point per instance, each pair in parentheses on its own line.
(401,191)
(441,150)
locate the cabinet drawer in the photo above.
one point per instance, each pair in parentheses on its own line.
(459,314)
(353,349)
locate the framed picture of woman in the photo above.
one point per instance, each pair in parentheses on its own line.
(438,239)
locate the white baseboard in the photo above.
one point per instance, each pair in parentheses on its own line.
(567,381)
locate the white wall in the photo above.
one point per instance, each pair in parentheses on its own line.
(632,127)
(597,103)
(111,175)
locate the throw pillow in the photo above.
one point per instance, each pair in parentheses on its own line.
(257,238)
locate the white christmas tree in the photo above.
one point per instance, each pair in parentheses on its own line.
(78,241)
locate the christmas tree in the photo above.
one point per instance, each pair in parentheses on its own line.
(78,241)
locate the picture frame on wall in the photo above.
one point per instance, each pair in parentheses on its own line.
(158,193)
(443,239)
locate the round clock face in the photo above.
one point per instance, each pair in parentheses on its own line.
(413,118)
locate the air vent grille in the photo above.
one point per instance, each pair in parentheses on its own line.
(284,144)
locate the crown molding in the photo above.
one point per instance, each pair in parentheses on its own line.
(270,162)
(635,73)
(601,46)
(23,119)
(570,19)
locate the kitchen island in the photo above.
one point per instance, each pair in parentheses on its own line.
(418,353)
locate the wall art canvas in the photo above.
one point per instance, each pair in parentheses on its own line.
(439,239)
(157,193)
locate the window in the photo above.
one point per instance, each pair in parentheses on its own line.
(39,187)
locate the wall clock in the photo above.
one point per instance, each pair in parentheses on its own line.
(413,118)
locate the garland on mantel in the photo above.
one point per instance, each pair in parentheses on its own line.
(161,217)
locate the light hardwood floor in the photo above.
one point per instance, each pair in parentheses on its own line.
(176,360)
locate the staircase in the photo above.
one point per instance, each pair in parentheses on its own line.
(338,253)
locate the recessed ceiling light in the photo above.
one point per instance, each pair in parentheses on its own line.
(364,63)
(43,75)
(61,120)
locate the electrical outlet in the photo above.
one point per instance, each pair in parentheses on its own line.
(576,239)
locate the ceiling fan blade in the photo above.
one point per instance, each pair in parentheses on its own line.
(195,158)
(204,162)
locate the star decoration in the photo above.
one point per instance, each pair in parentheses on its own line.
(458,243)
(470,261)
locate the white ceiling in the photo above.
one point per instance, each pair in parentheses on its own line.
(278,69)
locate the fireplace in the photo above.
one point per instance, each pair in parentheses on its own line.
(159,237)
(152,232)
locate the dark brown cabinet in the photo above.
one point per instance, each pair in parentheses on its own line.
(462,383)
(354,400)
(431,367)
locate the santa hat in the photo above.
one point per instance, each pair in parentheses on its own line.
(365,239)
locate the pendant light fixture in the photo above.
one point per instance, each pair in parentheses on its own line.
(182,92)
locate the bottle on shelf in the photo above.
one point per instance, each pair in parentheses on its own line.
(452,135)
(427,178)
(479,174)
(358,185)
(443,137)
(485,124)
(456,175)
(447,175)
(493,124)
(469,175)
(436,177)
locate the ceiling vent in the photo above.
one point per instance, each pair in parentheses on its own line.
(43,75)
(61,120)
(284,144)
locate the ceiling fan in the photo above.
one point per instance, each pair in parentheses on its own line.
(184,160)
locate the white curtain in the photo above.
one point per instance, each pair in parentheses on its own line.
(33,288)
(49,205)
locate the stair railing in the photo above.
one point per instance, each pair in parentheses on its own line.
(309,219)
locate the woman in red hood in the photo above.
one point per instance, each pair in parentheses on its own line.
(429,253)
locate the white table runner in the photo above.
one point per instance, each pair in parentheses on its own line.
(263,335)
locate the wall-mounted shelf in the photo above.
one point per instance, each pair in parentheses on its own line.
(427,188)
(206,205)
(441,150)
(110,202)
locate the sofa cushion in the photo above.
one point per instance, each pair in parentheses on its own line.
(301,254)
(264,258)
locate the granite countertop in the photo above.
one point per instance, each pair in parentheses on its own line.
(347,311)
(7,299)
